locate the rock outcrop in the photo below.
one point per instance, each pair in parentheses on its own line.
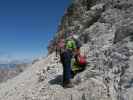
(105,28)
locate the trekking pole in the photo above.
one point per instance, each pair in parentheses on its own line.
(84,51)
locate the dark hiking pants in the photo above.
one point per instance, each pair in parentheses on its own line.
(66,62)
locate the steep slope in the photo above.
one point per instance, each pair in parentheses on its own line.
(104,78)
(105,28)
(42,81)
(25,84)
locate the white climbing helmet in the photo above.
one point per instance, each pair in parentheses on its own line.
(75,36)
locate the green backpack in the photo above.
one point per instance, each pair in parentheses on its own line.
(70,44)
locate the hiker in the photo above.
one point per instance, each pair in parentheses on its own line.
(72,49)
(67,51)
(79,61)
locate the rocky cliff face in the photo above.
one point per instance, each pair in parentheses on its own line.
(82,14)
(105,26)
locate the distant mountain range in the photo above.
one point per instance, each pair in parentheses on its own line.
(13,63)
(8,65)
(8,71)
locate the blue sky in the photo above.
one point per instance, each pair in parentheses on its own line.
(26,26)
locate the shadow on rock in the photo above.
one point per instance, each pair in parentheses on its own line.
(57,80)
(130,84)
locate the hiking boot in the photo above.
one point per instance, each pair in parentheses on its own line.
(68,84)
